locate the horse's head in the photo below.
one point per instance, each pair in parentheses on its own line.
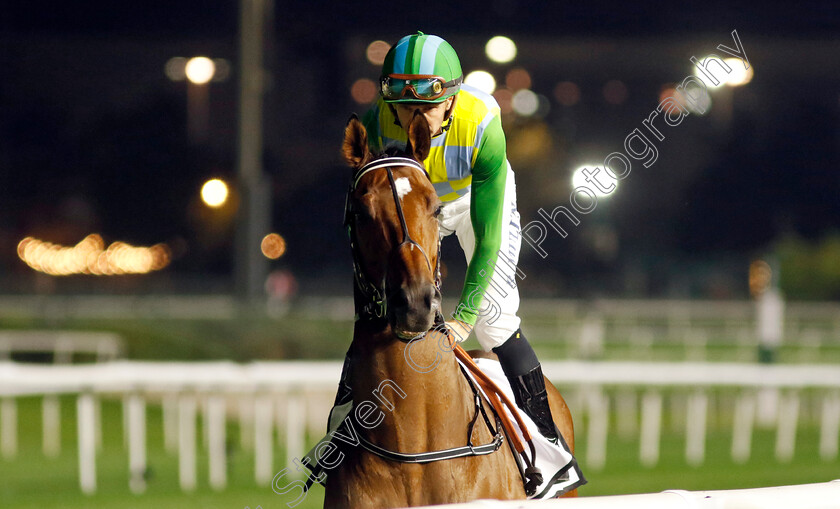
(392,211)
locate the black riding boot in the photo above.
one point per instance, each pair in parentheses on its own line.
(523,370)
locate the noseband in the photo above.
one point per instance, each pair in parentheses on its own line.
(376,305)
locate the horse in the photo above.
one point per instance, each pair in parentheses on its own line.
(392,212)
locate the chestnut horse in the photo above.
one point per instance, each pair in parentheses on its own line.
(396,258)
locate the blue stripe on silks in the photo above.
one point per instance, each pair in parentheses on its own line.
(438,141)
(486,98)
(399,58)
(482,126)
(443,188)
(457,161)
(427,59)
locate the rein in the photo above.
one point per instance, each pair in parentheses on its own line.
(376,305)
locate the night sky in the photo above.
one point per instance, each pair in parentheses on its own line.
(93,136)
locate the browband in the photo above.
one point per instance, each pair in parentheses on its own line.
(384,163)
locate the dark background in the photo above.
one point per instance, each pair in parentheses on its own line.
(93,138)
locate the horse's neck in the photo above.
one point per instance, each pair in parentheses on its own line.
(418,387)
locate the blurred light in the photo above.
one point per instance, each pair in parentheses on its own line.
(214,193)
(376,52)
(364,91)
(739,76)
(602,178)
(567,93)
(668,91)
(500,49)
(200,70)
(543,107)
(615,92)
(518,79)
(504,97)
(273,246)
(531,144)
(525,103)
(699,103)
(175,69)
(713,68)
(481,80)
(90,257)
(222,71)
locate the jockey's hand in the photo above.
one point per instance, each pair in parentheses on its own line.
(458,331)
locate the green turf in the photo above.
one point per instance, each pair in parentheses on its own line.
(32,481)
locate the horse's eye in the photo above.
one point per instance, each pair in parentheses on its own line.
(438,210)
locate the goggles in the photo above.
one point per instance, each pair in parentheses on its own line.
(423,87)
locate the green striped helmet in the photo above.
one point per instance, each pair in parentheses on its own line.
(423,55)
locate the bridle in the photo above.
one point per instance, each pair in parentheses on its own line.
(376,304)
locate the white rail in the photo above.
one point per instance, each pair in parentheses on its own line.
(295,396)
(105,346)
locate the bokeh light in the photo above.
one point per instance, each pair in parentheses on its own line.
(200,70)
(669,92)
(567,93)
(517,79)
(504,97)
(364,91)
(218,69)
(90,257)
(615,92)
(175,68)
(376,52)
(735,77)
(481,80)
(603,179)
(525,103)
(273,246)
(500,49)
(739,75)
(214,193)
(699,102)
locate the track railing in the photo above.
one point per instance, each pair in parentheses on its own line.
(294,396)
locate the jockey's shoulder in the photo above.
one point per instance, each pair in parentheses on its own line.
(475,102)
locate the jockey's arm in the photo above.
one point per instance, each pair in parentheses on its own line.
(486,210)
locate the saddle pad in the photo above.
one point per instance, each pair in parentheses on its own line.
(558,466)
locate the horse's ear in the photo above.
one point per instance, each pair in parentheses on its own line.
(419,136)
(355,146)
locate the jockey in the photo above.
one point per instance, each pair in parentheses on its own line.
(468,167)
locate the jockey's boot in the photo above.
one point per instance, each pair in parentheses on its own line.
(523,370)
